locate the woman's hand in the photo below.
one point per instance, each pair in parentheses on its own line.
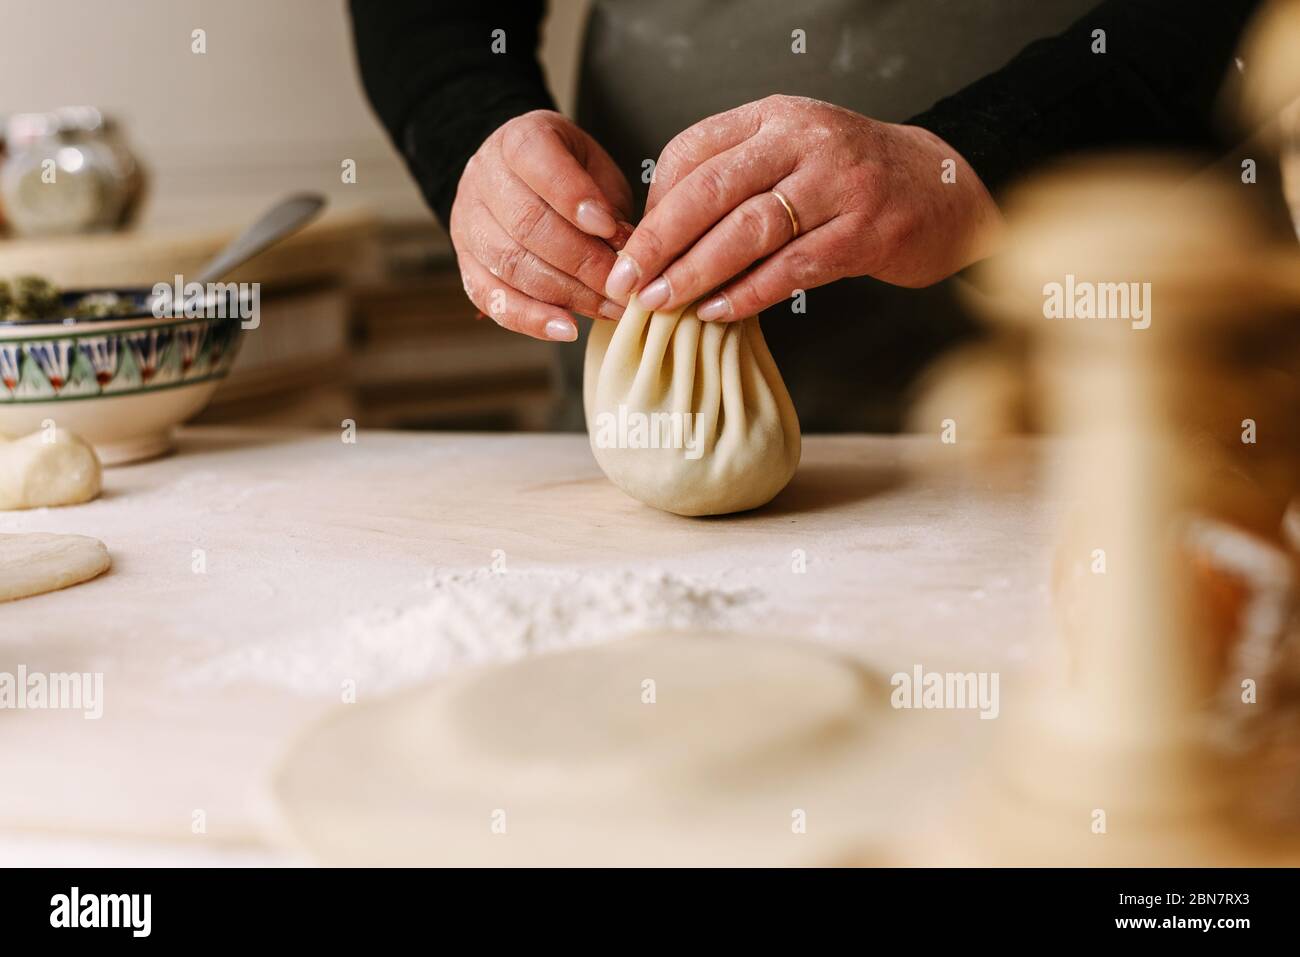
(871,199)
(538,213)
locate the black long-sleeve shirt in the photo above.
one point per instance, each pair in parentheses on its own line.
(1156,85)
(440,89)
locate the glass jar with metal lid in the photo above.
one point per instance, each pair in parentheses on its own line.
(67,171)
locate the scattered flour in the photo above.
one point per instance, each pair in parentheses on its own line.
(464,617)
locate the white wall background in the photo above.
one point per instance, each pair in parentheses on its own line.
(274,105)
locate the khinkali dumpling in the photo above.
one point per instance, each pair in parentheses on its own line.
(688,416)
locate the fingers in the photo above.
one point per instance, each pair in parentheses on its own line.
(513,310)
(704,197)
(753,230)
(813,259)
(536,213)
(543,157)
(533,225)
(515,266)
(691,147)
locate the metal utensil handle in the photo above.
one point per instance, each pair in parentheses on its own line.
(286,217)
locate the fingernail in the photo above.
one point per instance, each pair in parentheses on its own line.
(620,238)
(656,294)
(622,277)
(561,330)
(611,310)
(592,219)
(719,307)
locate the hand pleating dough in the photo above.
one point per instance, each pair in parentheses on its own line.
(688,416)
(45,469)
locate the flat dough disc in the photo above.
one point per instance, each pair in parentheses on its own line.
(744,737)
(37,563)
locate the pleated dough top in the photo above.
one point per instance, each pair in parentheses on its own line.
(688,416)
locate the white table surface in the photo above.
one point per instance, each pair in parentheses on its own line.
(319,556)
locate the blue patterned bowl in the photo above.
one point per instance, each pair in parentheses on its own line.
(121,382)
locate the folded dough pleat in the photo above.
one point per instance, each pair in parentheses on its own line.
(689,416)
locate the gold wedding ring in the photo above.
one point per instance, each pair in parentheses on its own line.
(794,219)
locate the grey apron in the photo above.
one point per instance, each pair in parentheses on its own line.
(650,70)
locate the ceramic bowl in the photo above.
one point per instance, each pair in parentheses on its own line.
(122,383)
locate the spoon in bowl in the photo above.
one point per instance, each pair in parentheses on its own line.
(283,219)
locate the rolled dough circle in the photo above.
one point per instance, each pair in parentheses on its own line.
(659,749)
(32,564)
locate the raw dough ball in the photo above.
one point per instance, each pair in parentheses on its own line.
(710,385)
(661,749)
(37,563)
(35,473)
